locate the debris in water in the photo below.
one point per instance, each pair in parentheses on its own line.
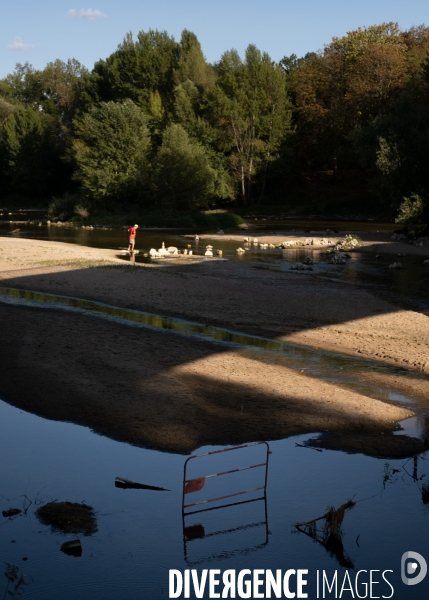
(69,517)
(303,446)
(195,532)
(73,548)
(11,512)
(330,535)
(127,484)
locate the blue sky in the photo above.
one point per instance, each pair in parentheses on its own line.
(40,32)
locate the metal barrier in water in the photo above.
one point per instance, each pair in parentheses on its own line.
(197,531)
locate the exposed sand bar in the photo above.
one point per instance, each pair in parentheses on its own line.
(169,392)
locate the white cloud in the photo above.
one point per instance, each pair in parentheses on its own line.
(19,44)
(86,13)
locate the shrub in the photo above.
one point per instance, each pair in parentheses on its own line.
(414,215)
(62,208)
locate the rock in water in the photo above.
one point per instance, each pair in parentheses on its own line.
(73,548)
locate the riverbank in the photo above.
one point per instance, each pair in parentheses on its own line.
(175,393)
(370,241)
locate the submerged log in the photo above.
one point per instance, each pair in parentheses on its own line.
(11,512)
(127,484)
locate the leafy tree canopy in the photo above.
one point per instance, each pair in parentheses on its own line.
(111,152)
(183,176)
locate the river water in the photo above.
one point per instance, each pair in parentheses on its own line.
(407,287)
(142,533)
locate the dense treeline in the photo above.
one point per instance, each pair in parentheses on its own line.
(155,125)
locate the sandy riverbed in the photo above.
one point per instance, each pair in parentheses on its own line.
(174,393)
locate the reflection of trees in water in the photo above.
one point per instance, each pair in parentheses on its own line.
(425,493)
(420,478)
(330,534)
(15,582)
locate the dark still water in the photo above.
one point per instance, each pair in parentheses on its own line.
(142,534)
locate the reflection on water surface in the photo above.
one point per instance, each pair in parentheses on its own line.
(141,533)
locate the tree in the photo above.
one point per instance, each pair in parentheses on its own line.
(54,91)
(191,64)
(356,78)
(27,163)
(6,108)
(254,113)
(414,215)
(395,148)
(110,149)
(183,177)
(22,86)
(136,70)
(189,112)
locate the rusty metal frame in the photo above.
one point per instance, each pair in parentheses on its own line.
(263,523)
(230,552)
(185,481)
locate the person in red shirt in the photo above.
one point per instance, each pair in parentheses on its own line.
(132,231)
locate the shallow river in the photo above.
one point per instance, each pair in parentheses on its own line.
(142,534)
(407,287)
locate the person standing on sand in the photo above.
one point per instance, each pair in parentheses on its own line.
(132,232)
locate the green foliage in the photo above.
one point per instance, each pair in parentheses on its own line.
(395,147)
(356,79)
(192,65)
(414,215)
(154,122)
(253,110)
(56,90)
(45,102)
(182,176)
(354,44)
(137,69)
(5,110)
(111,152)
(25,152)
(63,208)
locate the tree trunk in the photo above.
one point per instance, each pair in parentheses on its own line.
(243,187)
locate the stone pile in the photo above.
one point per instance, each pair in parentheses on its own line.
(163,251)
(307,242)
(349,242)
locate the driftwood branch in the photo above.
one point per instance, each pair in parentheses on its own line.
(309,447)
(127,484)
(330,534)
